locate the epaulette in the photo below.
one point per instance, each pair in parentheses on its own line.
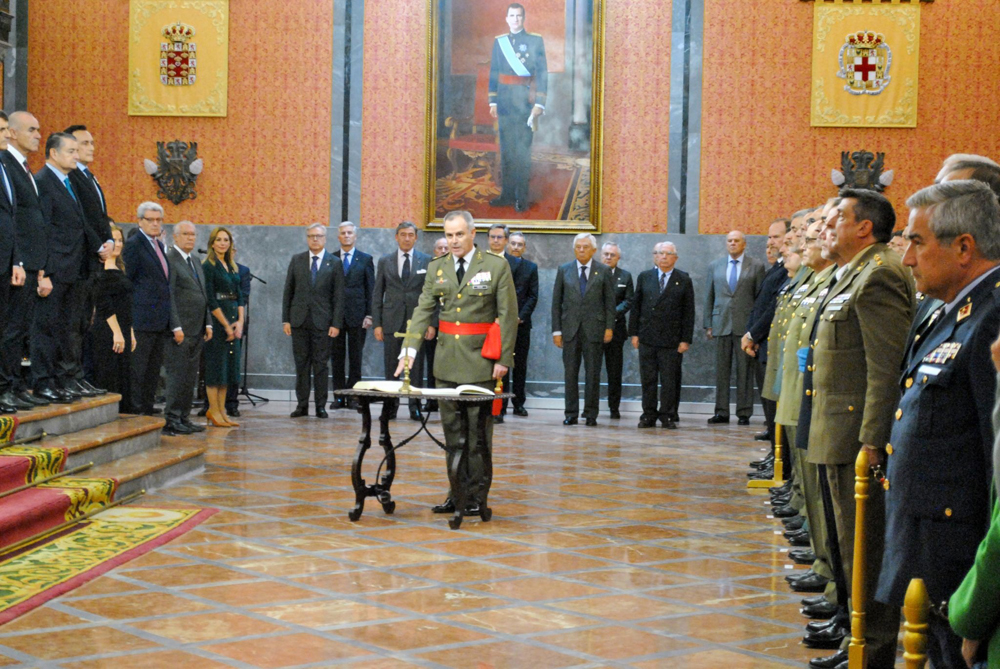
(533,34)
(498,255)
(878,259)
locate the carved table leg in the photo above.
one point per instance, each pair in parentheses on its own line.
(459,489)
(364,443)
(485,420)
(382,487)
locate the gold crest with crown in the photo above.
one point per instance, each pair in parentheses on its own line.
(178,55)
(865,58)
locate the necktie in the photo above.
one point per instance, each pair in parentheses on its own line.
(347,262)
(928,324)
(732,276)
(97,187)
(194,271)
(163,260)
(315,268)
(30,178)
(406,267)
(69,188)
(26,168)
(583,280)
(461,269)
(6,185)
(663,282)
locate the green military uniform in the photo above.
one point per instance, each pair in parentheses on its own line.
(772,369)
(484,295)
(858,345)
(803,306)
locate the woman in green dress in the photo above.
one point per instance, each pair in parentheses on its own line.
(225,301)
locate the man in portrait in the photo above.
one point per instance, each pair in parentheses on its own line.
(517,90)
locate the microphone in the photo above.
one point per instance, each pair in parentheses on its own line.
(203,251)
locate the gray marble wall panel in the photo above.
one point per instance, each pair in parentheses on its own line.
(267,249)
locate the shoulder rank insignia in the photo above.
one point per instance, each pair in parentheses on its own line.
(943,353)
(964,312)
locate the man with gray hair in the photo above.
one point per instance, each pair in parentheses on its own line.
(614,354)
(938,500)
(359,283)
(583,320)
(191,323)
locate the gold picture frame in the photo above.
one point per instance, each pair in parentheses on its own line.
(565,180)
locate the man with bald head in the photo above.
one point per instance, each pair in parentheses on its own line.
(661,324)
(735,280)
(190,322)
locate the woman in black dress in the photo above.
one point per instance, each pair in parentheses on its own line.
(113,337)
(225,301)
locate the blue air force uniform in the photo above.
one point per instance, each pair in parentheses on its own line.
(939,454)
(518,81)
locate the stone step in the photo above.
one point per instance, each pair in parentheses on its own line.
(154,468)
(57,419)
(126,436)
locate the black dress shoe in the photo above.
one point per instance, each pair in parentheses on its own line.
(781,500)
(69,392)
(763,461)
(615,414)
(570,420)
(794,523)
(762,436)
(32,399)
(784,487)
(321,412)
(191,426)
(797,575)
(176,427)
(520,411)
(299,412)
(718,420)
(674,417)
(800,540)
(53,396)
(7,408)
(822,610)
(591,422)
(500,202)
(498,419)
(743,420)
(802,556)
(520,206)
(11,399)
(669,424)
(79,387)
(811,583)
(646,423)
(448,506)
(785,512)
(830,638)
(815,599)
(829,662)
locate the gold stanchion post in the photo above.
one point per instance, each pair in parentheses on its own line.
(862,479)
(916,609)
(779,471)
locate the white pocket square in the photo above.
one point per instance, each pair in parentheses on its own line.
(421,271)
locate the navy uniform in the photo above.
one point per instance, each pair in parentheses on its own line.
(940,451)
(518,82)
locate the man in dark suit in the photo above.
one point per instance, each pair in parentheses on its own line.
(399,280)
(661,325)
(754,341)
(312,314)
(734,282)
(191,324)
(583,320)
(31,238)
(939,457)
(147,268)
(9,267)
(497,237)
(91,197)
(55,362)
(614,357)
(359,282)
(526,285)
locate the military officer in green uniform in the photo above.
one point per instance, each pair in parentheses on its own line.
(472,289)
(517,91)
(857,346)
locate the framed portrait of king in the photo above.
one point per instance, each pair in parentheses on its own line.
(514,121)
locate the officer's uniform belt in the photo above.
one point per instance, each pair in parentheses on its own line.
(514,80)
(464,328)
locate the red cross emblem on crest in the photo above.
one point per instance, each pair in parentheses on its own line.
(864,62)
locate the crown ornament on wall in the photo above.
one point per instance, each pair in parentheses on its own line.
(865,39)
(178,32)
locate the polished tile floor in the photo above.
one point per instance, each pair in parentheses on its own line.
(609,547)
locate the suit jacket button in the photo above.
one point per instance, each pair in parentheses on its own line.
(948,512)
(909,382)
(888,449)
(458,308)
(456,336)
(809,393)
(850,408)
(458,322)
(899,414)
(459,296)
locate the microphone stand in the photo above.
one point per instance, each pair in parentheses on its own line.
(253,399)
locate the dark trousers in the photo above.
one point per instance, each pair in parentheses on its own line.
(520,375)
(727,349)
(20,315)
(311,350)
(770,406)
(5,290)
(677,387)
(658,369)
(944,647)
(451,424)
(346,358)
(51,348)
(391,347)
(614,359)
(515,153)
(146,361)
(430,349)
(79,308)
(182,362)
(573,352)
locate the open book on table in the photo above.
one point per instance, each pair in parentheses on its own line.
(396,386)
